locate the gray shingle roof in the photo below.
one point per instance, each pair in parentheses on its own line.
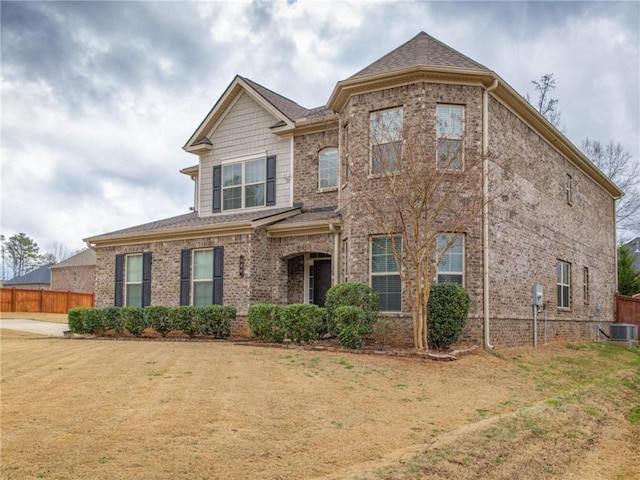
(193,220)
(289,108)
(312,215)
(423,50)
(85,257)
(39,276)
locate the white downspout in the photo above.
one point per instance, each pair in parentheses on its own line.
(485,210)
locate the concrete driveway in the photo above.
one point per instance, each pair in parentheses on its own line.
(34,326)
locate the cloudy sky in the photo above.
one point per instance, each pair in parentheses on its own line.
(99,97)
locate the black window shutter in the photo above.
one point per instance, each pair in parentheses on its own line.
(271,180)
(185,276)
(118,280)
(217,189)
(146,279)
(218,263)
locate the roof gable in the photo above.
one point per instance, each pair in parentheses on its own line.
(83,258)
(421,50)
(285,111)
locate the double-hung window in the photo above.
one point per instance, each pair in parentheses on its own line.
(243,184)
(451,258)
(385,276)
(386,139)
(133,280)
(202,277)
(328,168)
(450,132)
(563,271)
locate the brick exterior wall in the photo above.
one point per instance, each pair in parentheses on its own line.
(305,183)
(531,225)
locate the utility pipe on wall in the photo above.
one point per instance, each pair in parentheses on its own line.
(485,209)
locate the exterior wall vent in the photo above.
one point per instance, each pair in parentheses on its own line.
(623,332)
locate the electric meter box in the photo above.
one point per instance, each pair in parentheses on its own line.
(536,295)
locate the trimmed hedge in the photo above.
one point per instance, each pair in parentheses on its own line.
(264,322)
(302,322)
(447,314)
(215,320)
(351,324)
(212,320)
(352,294)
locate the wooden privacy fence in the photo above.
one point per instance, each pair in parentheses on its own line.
(627,309)
(45,301)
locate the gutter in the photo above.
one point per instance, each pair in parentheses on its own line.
(485,211)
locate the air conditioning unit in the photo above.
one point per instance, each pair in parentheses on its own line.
(623,332)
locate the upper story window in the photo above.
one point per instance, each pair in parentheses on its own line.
(385,276)
(563,271)
(133,280)
(386,139)
(451,258)
(244,184)
(328,168)
(569,189)
(450,132)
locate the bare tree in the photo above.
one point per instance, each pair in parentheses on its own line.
(617,164)
(418,190)
(57,252)
(544,103)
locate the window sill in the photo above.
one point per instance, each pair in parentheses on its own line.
(328,189)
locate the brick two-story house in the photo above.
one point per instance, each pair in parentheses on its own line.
(270,222)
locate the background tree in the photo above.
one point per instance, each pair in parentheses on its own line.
(544,102)
(57,252)
(23,254)
(619,166)
(417,191)
(628,274)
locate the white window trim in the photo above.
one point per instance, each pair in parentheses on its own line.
(243,185)
(335,187)
(193,280)
(464,253)
(568,285)
(372,173)
(126,275)
(384,274)
(444,137)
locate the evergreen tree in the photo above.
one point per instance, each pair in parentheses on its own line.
(628,274)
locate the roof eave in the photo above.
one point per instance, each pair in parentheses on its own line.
(315,227)
(354,86)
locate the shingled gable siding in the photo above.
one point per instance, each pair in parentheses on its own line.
(532,227)
(419,106)
(306,150)
(243,131)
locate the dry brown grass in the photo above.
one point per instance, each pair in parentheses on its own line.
(76,409)
(42,317)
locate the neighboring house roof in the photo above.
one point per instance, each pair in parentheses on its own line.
(634,248)
(39,276)
(86,257)
(421,50)
(190,225)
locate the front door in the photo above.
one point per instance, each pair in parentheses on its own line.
(321,281)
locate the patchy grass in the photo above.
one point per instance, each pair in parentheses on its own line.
(159,410)
(41,317)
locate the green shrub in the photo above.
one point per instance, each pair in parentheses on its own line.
(447,314)
(75,320)
(183,318)
(264,322)
(92,321)
(352,294)
(302,322)
(157,317)
(351,324)
(133,320)
(111,319)
(215,320)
